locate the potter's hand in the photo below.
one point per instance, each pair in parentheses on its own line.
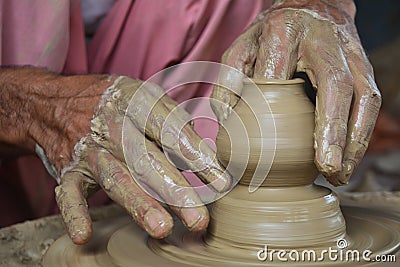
(319,38)
(80,140)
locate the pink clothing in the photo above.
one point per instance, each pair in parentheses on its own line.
(35,33)
(137,39)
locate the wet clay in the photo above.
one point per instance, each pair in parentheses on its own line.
(287,199)
(287,212)
(283,129)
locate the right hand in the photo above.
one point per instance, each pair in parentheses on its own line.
(319,38)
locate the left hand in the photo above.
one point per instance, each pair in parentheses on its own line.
(318,38)
(109,132)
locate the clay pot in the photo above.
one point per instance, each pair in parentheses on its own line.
(283,128)
(288,210)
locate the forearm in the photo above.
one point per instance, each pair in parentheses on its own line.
(35,106)
(17,97)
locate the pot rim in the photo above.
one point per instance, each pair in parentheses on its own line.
(273,81)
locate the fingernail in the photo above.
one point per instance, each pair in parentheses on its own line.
(156,224)
(333,159)
(84,235)
(348,168)
(80,236)
(195,219)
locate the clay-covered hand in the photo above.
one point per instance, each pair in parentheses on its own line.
(77,123)
(318,38)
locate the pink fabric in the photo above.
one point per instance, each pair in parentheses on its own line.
(137,38)
(179,31)
(76,61)
(35,32)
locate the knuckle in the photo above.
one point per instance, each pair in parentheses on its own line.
(375,98)
(358,141)
(144,163)
(372,100)
(120,178)
(171,135)
(360,146)
(155,123)
(154,89)
(281,15)
(108,181)
(338,125)
(334,130)
(339,74)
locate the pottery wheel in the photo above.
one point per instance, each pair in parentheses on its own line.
(121,243)
(288,212)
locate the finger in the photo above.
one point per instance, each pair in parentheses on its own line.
(116,181)
(157,92)
(366,105)
(278,47)
(331,76)
(70,197)
(170,129)
(151,169)
(155,118)
(241,57)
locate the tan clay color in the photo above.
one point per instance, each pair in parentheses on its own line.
(291,114)
(288,212)
(287,200)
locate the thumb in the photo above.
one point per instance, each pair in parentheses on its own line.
(71,201)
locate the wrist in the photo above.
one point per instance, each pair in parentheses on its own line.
(63,114)
(43,109)
(333,8)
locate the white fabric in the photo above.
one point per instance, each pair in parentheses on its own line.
(93,12)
